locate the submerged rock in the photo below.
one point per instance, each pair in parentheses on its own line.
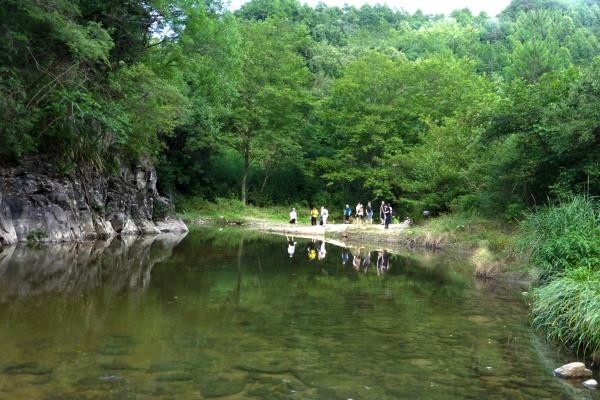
(175,377)
(222,386)
(591,384)
(28,368)
(573,370)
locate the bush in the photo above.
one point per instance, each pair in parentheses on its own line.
(567,309)
(562,238)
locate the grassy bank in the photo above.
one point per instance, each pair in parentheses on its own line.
(228,212)
(562,243)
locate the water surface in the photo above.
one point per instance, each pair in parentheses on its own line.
(235,315)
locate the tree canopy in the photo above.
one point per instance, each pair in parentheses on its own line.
(280,102)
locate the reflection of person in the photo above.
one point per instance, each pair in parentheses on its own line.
(322,251)
(312,251)
(383,262)
(357,260)
(367,261)
(344,256)
(293,216)
(314,213)
(291,246)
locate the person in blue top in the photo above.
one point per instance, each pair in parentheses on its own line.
(347,214)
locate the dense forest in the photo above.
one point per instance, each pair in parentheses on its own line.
(280,102)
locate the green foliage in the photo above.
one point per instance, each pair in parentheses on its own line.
(563,238)
(281,102)
(567,310)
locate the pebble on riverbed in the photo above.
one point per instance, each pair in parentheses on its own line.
(591,384)
(573,370)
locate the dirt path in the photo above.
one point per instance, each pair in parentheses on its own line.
(335,229)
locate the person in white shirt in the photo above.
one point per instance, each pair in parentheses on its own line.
(293,216)
(324,215)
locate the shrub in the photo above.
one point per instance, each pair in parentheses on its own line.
(567,309)
(562,238)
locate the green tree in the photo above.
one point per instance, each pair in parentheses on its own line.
(272,101)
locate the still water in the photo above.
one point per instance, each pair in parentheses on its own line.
(240,315)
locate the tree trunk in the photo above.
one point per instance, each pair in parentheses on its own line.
(245,173)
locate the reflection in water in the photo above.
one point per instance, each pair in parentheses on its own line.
(361,257)
(322,250)
(120,263)
(229,315)
(291,248)
(312,250)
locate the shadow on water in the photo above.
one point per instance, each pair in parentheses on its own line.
(234,314)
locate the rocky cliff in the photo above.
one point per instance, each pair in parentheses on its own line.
(36,204)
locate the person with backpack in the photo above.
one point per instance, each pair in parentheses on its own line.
(369,213)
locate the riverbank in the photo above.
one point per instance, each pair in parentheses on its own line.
(487,243)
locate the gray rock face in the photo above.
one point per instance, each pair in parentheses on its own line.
(573,370)
(38,205)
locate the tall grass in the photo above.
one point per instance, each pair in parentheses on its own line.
(568,310)
(563,237)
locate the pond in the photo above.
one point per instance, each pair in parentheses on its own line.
(240,315)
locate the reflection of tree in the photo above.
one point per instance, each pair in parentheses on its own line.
(119,264)
(238,287)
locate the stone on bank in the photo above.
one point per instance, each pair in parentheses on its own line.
(36,204)
(573,370)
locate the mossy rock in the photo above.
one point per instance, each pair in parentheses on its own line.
(222,386)
(165,367)
(316,379)
(28,368)
(265,366)
(117,366)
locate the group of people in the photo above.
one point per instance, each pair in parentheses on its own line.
(362,214)
(315,215)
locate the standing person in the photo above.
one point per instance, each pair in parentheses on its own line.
(369,213)
(314,213)
(387,211)
(325,214)
(381,213)
(361,213)
(321,216)
(347,214)
(293,216)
